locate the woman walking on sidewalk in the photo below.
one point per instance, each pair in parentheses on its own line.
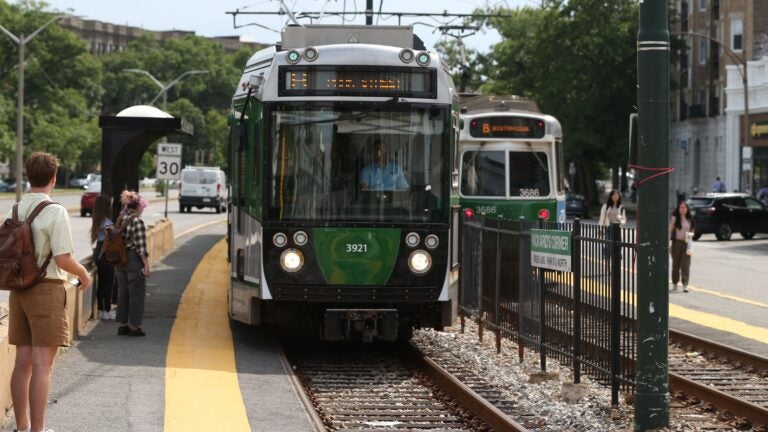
(102,207)
(132,277)
(681,234)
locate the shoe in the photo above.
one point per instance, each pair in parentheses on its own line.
(137,332)
(685,288)
(112,315)
(674,287)
(123,330)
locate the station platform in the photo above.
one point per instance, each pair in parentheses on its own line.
(192,372)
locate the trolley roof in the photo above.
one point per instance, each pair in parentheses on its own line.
(472,103)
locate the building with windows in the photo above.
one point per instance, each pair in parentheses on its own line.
(717,38)
(105,37)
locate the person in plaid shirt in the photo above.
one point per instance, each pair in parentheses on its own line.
(132,276)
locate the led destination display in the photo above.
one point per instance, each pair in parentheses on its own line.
(313,81)
(506,127)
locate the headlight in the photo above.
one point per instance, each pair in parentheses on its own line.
(291,260)
(431,241)
(279,239)
(300,238)
(419,262)
(423,58)
(310,54)
(406,55)
(293,56)
(412,239)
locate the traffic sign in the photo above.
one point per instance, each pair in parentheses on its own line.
(169,149)
(168,167)
(551,249)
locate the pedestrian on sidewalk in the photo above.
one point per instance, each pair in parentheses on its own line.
(132,276)
(38,321)
(102,208)
(718,185)
(610,213)
(681,233)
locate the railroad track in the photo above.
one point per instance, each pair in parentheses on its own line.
(389,387)
(731,381)
(734,381)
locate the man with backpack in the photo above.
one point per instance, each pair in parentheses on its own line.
(38,319)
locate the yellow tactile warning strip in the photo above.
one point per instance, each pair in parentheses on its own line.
(201,387)
(718,322)
(704,319)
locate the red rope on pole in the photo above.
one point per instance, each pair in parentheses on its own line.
(658,171)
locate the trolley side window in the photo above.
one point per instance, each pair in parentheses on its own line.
(528,174)
(483,174)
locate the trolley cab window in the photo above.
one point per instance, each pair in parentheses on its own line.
(487,174)
(344,164)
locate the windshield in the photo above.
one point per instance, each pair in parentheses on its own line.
(337,164)
(485,173)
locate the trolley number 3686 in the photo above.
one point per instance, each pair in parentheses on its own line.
(356,248)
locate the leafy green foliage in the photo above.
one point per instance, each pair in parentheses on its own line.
(67,88)
(577,60)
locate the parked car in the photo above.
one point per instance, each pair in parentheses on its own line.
(203,187)
(89,196)
(147,182)
(576,206)
(78,182)
(3,186)
(726,213)
(12,187)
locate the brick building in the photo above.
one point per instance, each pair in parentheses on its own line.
(105,37)
(707,102)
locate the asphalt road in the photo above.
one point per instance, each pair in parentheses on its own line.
(728,298)
(154,212)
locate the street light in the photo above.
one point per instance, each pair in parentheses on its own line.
(743,72)
(164,87)
(164,92)
(21,41)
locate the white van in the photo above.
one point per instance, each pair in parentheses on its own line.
(203,187)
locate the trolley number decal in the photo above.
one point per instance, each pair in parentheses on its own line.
(484,210)
(356,248)
(529,192)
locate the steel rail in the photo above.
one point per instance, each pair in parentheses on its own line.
(475,403)
(734,354)
(721,400)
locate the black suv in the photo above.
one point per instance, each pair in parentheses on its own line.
(726,213)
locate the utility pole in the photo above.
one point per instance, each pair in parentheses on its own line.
(22,41)
(368,12)
(652,387)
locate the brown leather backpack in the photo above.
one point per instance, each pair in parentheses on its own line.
(113,249)
(18,262)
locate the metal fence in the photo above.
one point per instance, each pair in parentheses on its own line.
(584,318)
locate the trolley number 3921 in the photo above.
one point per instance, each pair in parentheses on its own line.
(356,248)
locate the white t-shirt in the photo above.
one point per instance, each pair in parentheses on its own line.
(51,232)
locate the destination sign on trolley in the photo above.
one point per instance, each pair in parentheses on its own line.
(337,81)
(506,127)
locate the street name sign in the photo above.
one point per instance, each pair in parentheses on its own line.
(551,249)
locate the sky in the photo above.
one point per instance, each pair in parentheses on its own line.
(209,18)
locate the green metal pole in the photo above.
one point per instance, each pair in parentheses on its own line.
(652,388)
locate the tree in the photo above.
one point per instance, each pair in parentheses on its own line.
(203,100)
(577,60)
(60,106)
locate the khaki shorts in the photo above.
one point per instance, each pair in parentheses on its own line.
(38,315)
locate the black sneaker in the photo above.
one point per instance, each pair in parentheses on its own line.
(123,330)
(137,332)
